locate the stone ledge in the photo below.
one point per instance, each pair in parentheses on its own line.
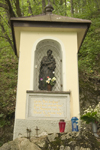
(49,92)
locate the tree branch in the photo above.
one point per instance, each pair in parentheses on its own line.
(3,6)
(3,37)
(11,12)
(5,20)
(4,47)
(18,10)
(6,36)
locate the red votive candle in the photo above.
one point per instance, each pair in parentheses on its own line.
(62,125)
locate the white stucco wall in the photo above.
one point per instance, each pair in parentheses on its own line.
(28,42)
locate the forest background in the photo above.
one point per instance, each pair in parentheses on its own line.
(89,54)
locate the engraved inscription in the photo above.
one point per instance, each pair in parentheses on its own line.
(47,108)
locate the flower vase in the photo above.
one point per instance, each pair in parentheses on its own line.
(49,87)
(94,129)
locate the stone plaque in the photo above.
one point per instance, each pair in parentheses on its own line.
(48,105)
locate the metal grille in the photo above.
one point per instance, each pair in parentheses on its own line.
(41,51)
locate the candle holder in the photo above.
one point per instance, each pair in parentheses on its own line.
(62,124)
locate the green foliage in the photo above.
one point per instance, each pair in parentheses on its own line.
(89,117)
(89,62)
(92,114)
(89,53)
(8,79)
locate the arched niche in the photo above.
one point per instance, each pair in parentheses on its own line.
(41,51)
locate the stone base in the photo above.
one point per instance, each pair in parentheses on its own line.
(49,126)
(44,110)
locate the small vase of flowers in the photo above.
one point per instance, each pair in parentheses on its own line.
(50,82)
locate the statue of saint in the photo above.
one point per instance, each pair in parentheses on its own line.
(47,68)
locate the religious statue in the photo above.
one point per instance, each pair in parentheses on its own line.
(47,68)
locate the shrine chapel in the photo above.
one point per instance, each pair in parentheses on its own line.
(34,37)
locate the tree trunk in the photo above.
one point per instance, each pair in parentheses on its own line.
(83,5)
(65,8)
(29,9)
(22,4)
(43,6)
(72,10)
(53,1)
(61,2)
